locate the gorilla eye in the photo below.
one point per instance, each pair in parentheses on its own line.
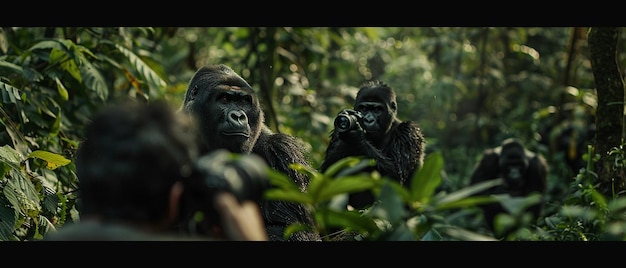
(224,98)
(247,99)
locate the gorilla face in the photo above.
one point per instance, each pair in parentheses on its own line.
(226,108)
(372,115)
(378,109)
(513,164)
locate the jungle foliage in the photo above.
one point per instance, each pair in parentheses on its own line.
(468,88)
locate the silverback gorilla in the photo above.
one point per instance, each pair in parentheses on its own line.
(523,171)
(397,146)
(229,116)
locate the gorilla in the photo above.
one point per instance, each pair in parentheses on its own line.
(372,130)
(230,117)
(523,171)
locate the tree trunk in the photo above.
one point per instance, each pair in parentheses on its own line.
(610,111)
(264,70)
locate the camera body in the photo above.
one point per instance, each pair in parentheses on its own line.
(245,176)
(347,120)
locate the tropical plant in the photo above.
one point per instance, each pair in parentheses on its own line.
(405,214)
(52,80)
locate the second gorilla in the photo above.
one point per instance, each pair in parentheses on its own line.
(229,116)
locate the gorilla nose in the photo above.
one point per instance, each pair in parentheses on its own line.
(369,122)
(238,117)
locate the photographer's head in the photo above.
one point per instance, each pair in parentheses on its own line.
(132,157)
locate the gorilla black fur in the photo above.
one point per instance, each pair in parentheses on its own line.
(397,146)
(229,116)
(524,172)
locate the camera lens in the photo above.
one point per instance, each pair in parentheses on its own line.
(342,123)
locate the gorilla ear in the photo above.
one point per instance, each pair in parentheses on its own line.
(394,106)
(193,93)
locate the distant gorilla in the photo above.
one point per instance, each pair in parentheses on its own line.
(372,130)
(523,171)
(229,116)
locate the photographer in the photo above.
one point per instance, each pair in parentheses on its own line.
(137,169)
(373,130)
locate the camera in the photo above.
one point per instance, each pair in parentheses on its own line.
(242,175)
(245,176)
(347,120)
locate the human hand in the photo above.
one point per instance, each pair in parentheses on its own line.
(240,221)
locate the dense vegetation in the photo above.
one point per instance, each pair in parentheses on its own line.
(469,88)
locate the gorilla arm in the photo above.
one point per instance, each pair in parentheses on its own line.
(487,169)
(536,175)
(406,151)
(354,143)
(281,150)
(536,181)
(402,154)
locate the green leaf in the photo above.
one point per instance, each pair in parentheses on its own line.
(11,67)
(599,199)
(464,235)
(69,65)
(356,167)
(579,212)
(48,44)
(288,195)
(61,89)
(10,156)
(281,180)
(303,169)
(50,198)
(343,185)
(399,233)
(617,205)
(341,164)
(463,197)
(43,226)
(10,94)
(515,205)
(21,193)
(465,202)
(351,220)
(93,80)
(152,78)
(8,220)
(427,178)
(296,227)
(53,160)
(390,207)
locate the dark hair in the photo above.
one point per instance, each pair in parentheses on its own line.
(131,156)
(384,92)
